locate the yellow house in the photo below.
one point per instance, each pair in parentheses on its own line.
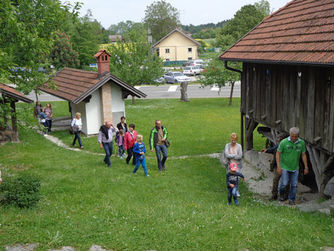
(177,46)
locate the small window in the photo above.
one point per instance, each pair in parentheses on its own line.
(190,49)
(167,50)
(158,52)
(102,58)
(190,58)
(106,57)
(167,59)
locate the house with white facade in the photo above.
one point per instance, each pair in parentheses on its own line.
(98,96)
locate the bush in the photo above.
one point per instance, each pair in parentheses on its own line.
(21,190)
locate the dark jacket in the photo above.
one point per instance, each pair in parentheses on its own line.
(119,127)
(154,136)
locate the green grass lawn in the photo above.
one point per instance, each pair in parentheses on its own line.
(185,208)
(201,126)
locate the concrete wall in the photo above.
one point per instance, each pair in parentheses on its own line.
(178,46)
(94,113)
(81,107)
(118,104)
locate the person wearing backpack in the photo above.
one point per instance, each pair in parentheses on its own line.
(159,142)
(129,141)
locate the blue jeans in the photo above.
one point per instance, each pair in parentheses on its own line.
(158,150)
(108,149)
(77,136)
(287,176)
(232,192)
(140,162)
(121,150)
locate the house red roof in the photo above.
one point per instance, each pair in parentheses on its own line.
(75,85)
(300,32)
(13,93)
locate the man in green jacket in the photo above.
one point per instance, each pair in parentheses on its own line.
(158,137)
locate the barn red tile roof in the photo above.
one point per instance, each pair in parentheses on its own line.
(300,32)
(75,85)
(13,93)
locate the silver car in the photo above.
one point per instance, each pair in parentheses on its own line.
(175,77)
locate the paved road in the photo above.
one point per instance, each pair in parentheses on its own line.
(168,91)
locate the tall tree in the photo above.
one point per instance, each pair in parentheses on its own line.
(133,60)
(243,21)
(161,17)
(62,54)
(217,75)
(27,31)
(85,35)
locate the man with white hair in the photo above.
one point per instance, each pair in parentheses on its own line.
(287,158)
(105,139)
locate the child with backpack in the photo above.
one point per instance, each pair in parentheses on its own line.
(232,182)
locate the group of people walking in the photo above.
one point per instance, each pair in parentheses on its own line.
(287,153)
(44,116)
(127,139)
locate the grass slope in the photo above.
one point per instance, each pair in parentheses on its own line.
(85,203)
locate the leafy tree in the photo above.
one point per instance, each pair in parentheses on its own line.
(62,54)
(243,21)
(216,74)
(27,31)
(264,7)
(86,35)
(133,60)
(161,17)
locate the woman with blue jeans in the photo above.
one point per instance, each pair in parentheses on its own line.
(76,127)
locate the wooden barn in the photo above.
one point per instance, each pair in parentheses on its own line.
(287,79)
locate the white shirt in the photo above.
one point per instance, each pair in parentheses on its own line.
(76,123)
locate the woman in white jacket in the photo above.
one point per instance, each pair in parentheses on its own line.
(76,127)
(233,152)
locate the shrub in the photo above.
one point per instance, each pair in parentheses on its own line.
(21,190)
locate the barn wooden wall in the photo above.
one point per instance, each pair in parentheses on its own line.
(283,96)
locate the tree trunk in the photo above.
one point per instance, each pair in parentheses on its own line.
(231,93)
(36,95)
(133,100)
(184,94)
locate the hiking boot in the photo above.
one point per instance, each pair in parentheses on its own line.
(281,198)
(292,203)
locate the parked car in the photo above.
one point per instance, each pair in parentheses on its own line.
(160,80)
(175,77)
(192,70)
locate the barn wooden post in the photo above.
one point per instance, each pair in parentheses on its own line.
(251,124)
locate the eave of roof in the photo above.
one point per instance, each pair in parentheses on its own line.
(13,93)
(181,32)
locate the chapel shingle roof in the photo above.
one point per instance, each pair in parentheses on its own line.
(300,32)
(75,85)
